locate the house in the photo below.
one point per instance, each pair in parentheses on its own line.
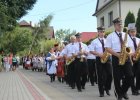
(86,36)
(108,10)
(25,24)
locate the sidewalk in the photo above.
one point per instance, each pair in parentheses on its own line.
(16,86)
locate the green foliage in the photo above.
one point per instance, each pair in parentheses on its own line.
(64,35)
(45,45)
(16,41)
(138,23)
(13,10)
(130,18)
(40,33)
(124,29)
(43,29)
(107,33)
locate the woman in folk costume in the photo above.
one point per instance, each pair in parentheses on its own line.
(35,63)
(60,67)
(40,63)
(28,63)
(6,63)
(51,64)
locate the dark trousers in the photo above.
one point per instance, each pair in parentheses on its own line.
(91,70)
(104,74)
(122,72)
(136,79)
(81,70)
(52,77)
(71,74)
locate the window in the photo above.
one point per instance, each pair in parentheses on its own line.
(110,19)
(102,21)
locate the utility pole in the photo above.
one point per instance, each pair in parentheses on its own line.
(120,8)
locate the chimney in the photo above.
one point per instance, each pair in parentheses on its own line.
(31,23)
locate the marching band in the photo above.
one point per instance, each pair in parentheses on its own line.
(114,58)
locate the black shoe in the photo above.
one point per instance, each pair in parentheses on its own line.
(101,95)
(125,96)
(73,87)
(83,87)
(79,90)
(107,92)
(119,98)
(92,84)
(135,93)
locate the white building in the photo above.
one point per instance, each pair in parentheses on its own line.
(108,10)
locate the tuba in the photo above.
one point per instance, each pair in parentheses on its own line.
(125,51)
(105,57)
(137,56)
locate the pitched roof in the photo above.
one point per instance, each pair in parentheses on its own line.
(86,36)
(24,23)
(97,10)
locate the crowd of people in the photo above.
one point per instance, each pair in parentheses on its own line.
(100,61)
(10,62)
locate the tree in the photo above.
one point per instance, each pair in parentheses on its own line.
(64,34)
(41,32)
(16,41)
(13,10)
(46,45)
(43,29)
(138,22)
(130,18)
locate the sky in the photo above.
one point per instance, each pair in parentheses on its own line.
(67,14)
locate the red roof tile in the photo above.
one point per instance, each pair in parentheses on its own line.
(24,23)
(86,36)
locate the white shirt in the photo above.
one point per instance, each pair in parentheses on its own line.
(69,49)
(62,52)
(131,44)
(83,47)
(113,41)
(90,56)
(97,46)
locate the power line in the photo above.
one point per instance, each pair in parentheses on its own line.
(65,9)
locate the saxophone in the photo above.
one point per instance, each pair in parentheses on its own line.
(70,60)
(105,57)
(124,55)
(137,56)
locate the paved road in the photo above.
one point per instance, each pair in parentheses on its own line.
(60,91)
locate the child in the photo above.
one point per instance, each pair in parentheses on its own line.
(51,64)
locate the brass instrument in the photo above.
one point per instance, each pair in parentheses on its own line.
(70,60)
(137,56)
(125,51)
(105,57)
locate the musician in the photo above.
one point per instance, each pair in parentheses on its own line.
(133,44)
(81,50)
(104,70)
(70,70)
(91,67)
(114,45)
